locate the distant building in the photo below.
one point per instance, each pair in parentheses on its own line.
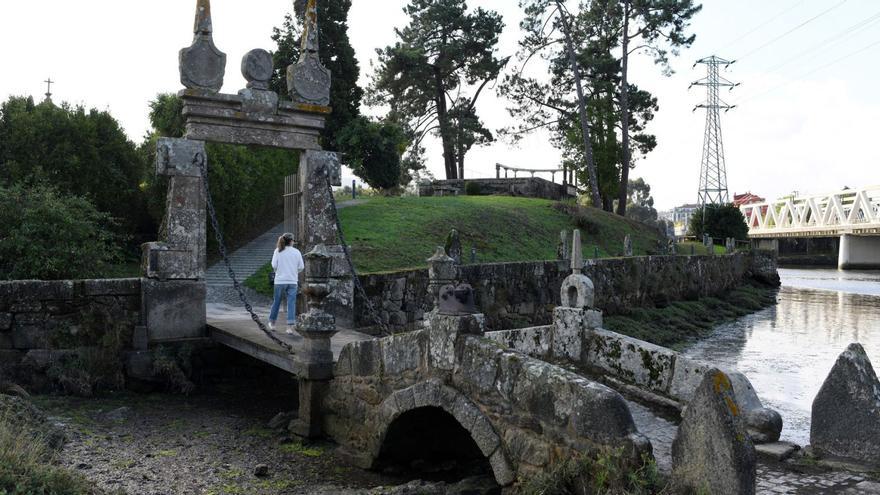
(746,199)
(681,218)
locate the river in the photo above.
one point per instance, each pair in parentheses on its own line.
(787,350)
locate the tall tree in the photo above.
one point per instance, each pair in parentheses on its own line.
(433,76)
(336,54)
(538,102)
(655,27)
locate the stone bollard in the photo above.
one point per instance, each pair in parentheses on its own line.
(693,249)
(453,246)
(317,328)
(845,418)
(563,250)
(576,312)
(442,271)
(712,452)
(710,246)
(627,245)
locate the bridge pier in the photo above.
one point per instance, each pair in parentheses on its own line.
(859,252)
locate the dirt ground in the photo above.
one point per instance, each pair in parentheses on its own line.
(208,443)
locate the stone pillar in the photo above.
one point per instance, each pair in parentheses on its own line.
(173,291)
(627,245)
(317,328)
(318,226)
(576,312)
(497,171)
(563,250)
(859,252)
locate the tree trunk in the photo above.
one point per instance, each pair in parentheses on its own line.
(582,109)
(624,115)
(446,131)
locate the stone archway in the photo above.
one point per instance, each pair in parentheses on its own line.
(431,394)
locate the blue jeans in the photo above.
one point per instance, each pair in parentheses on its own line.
(290,291)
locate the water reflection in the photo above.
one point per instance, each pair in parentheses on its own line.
(787,350)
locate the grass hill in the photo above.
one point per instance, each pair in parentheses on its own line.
(396,233)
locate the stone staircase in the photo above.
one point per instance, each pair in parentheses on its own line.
(245,260)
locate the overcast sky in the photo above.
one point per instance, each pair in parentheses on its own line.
(806,118)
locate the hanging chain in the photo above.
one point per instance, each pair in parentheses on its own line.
(199,160)
(357,281)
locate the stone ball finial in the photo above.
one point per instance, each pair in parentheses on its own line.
(256,67)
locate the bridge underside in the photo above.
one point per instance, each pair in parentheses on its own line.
(852,251)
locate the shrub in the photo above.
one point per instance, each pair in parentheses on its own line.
(722,221)
(373,151)
(49,235)
(472,188)
(578,217)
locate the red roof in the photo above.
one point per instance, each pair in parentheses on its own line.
(746,199)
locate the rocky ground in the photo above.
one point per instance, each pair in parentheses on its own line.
(215,442)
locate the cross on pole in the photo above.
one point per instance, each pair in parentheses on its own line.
(49,82)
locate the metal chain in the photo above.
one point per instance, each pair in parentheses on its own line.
(357,281)
(199,160)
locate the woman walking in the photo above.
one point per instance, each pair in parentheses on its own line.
(287,262)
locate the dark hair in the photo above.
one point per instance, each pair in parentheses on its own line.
(284,241)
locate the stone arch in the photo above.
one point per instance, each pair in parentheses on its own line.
(457,405)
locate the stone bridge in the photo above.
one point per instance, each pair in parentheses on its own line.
(394,394)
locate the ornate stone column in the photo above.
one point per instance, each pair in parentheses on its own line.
(317,327)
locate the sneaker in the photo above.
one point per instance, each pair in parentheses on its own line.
(289,329)
(271,326)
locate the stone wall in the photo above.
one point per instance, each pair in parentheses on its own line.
(516,295)
(529,187)
(41,321)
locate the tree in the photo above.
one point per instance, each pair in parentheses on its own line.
(655,26)
(375,151)
(433,76)
(336,53)
(538,102)
(50,235)
(641,203)
(78,152)
(721,221)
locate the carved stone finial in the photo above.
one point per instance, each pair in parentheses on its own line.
(202,65)
(203,23)
(308,81)
(256,68)
(577,253)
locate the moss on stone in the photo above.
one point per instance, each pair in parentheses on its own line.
(682,322)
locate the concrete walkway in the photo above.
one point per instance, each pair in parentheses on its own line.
(773,477)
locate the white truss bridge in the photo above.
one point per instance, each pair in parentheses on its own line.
(851,211)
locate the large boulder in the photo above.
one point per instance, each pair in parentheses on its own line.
(712,452)
(846,412)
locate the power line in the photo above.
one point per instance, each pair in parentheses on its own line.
(830,41)
(783,35)
(759,26)
(817,69)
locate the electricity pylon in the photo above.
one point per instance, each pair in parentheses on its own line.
(713,170)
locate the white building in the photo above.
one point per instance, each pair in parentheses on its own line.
(681,217)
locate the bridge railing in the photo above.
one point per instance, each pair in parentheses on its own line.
(568,174)
(850,210)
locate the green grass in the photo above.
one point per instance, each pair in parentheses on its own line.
(389,234)
(299,448)
(682,322)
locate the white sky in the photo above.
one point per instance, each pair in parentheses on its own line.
(813,133)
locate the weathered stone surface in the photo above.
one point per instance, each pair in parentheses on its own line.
(453,246)
(627,245)
(577,292)
(634,361)
(845,420)
(777,451)
(308,80)
(712,452)
(202,65)
(180,157)
(174,309)
(5,321)
(256,68)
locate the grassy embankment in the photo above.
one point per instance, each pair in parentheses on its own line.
(388,234)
